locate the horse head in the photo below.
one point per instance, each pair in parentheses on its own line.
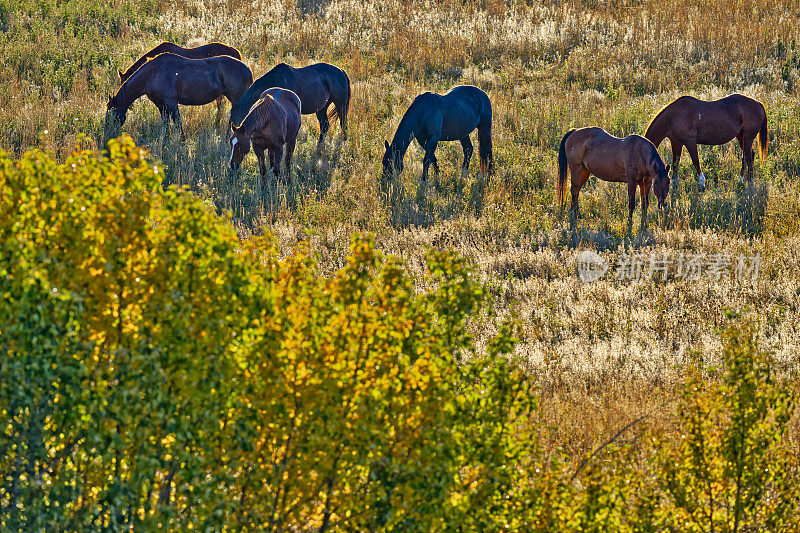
(115,111)
(661,185)
(240,146)
(392,162)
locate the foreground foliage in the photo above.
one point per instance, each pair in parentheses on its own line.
(157,372)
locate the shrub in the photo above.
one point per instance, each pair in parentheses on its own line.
(161,373)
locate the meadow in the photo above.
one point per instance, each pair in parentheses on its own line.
(610,360)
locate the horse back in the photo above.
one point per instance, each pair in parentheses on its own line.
(464,108)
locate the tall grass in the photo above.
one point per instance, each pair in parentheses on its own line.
(604,351)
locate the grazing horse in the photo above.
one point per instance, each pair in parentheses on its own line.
(688,122)
(271,124)
(634,160)
(168,80)
(318,86)
(198,52)
(443,117)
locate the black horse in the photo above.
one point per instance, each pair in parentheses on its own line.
(318,86)
(443,117)
(169,79)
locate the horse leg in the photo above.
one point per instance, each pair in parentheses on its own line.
(220,101)
(430,158)
(466,144)
(262,167)
(289,151)
(631,202)
(174,113)
(691,147)
(275,157)
(677,148)
(644,192)
(324,125)
(578,176)
(748,156)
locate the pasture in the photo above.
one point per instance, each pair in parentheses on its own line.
(610,360)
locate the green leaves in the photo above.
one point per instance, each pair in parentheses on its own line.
(162,373)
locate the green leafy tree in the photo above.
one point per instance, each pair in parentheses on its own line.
(727,468)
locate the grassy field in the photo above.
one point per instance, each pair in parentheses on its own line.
(604,353)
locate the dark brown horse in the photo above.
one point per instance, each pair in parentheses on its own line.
(271,124)
(198,52)
(688,122)
(435,117)
(318,86)
(168,80)
(632,160)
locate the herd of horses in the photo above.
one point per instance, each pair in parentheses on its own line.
(265,114)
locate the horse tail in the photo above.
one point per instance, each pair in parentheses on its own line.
(562,166)
(334,111)
(485,140)
(763,136)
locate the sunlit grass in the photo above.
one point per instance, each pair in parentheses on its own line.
(547,67)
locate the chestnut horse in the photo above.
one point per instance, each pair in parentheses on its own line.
(271,124)
(198,52)
(435,117)
(688,122)
(633,160)
(318,86)
(169,79)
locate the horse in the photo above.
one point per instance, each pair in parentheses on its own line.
(169,79)
(272,123)
(318,86)
(435,117)
(634,160)
(688,122)
(198,52)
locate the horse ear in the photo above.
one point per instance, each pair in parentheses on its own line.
(386,143)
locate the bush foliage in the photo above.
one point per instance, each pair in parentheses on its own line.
(158,372)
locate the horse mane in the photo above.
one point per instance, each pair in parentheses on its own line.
(405,129)
(260,113)
(657,162)
(146,61)
(661,112)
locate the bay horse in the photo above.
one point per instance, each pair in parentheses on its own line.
(318,86)
(633,160)
(435,117)
(198,52)
(168,80)
(272,123)
(688,122)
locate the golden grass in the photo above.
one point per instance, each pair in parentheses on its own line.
(605,352)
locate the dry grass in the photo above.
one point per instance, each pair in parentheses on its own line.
(604,353)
